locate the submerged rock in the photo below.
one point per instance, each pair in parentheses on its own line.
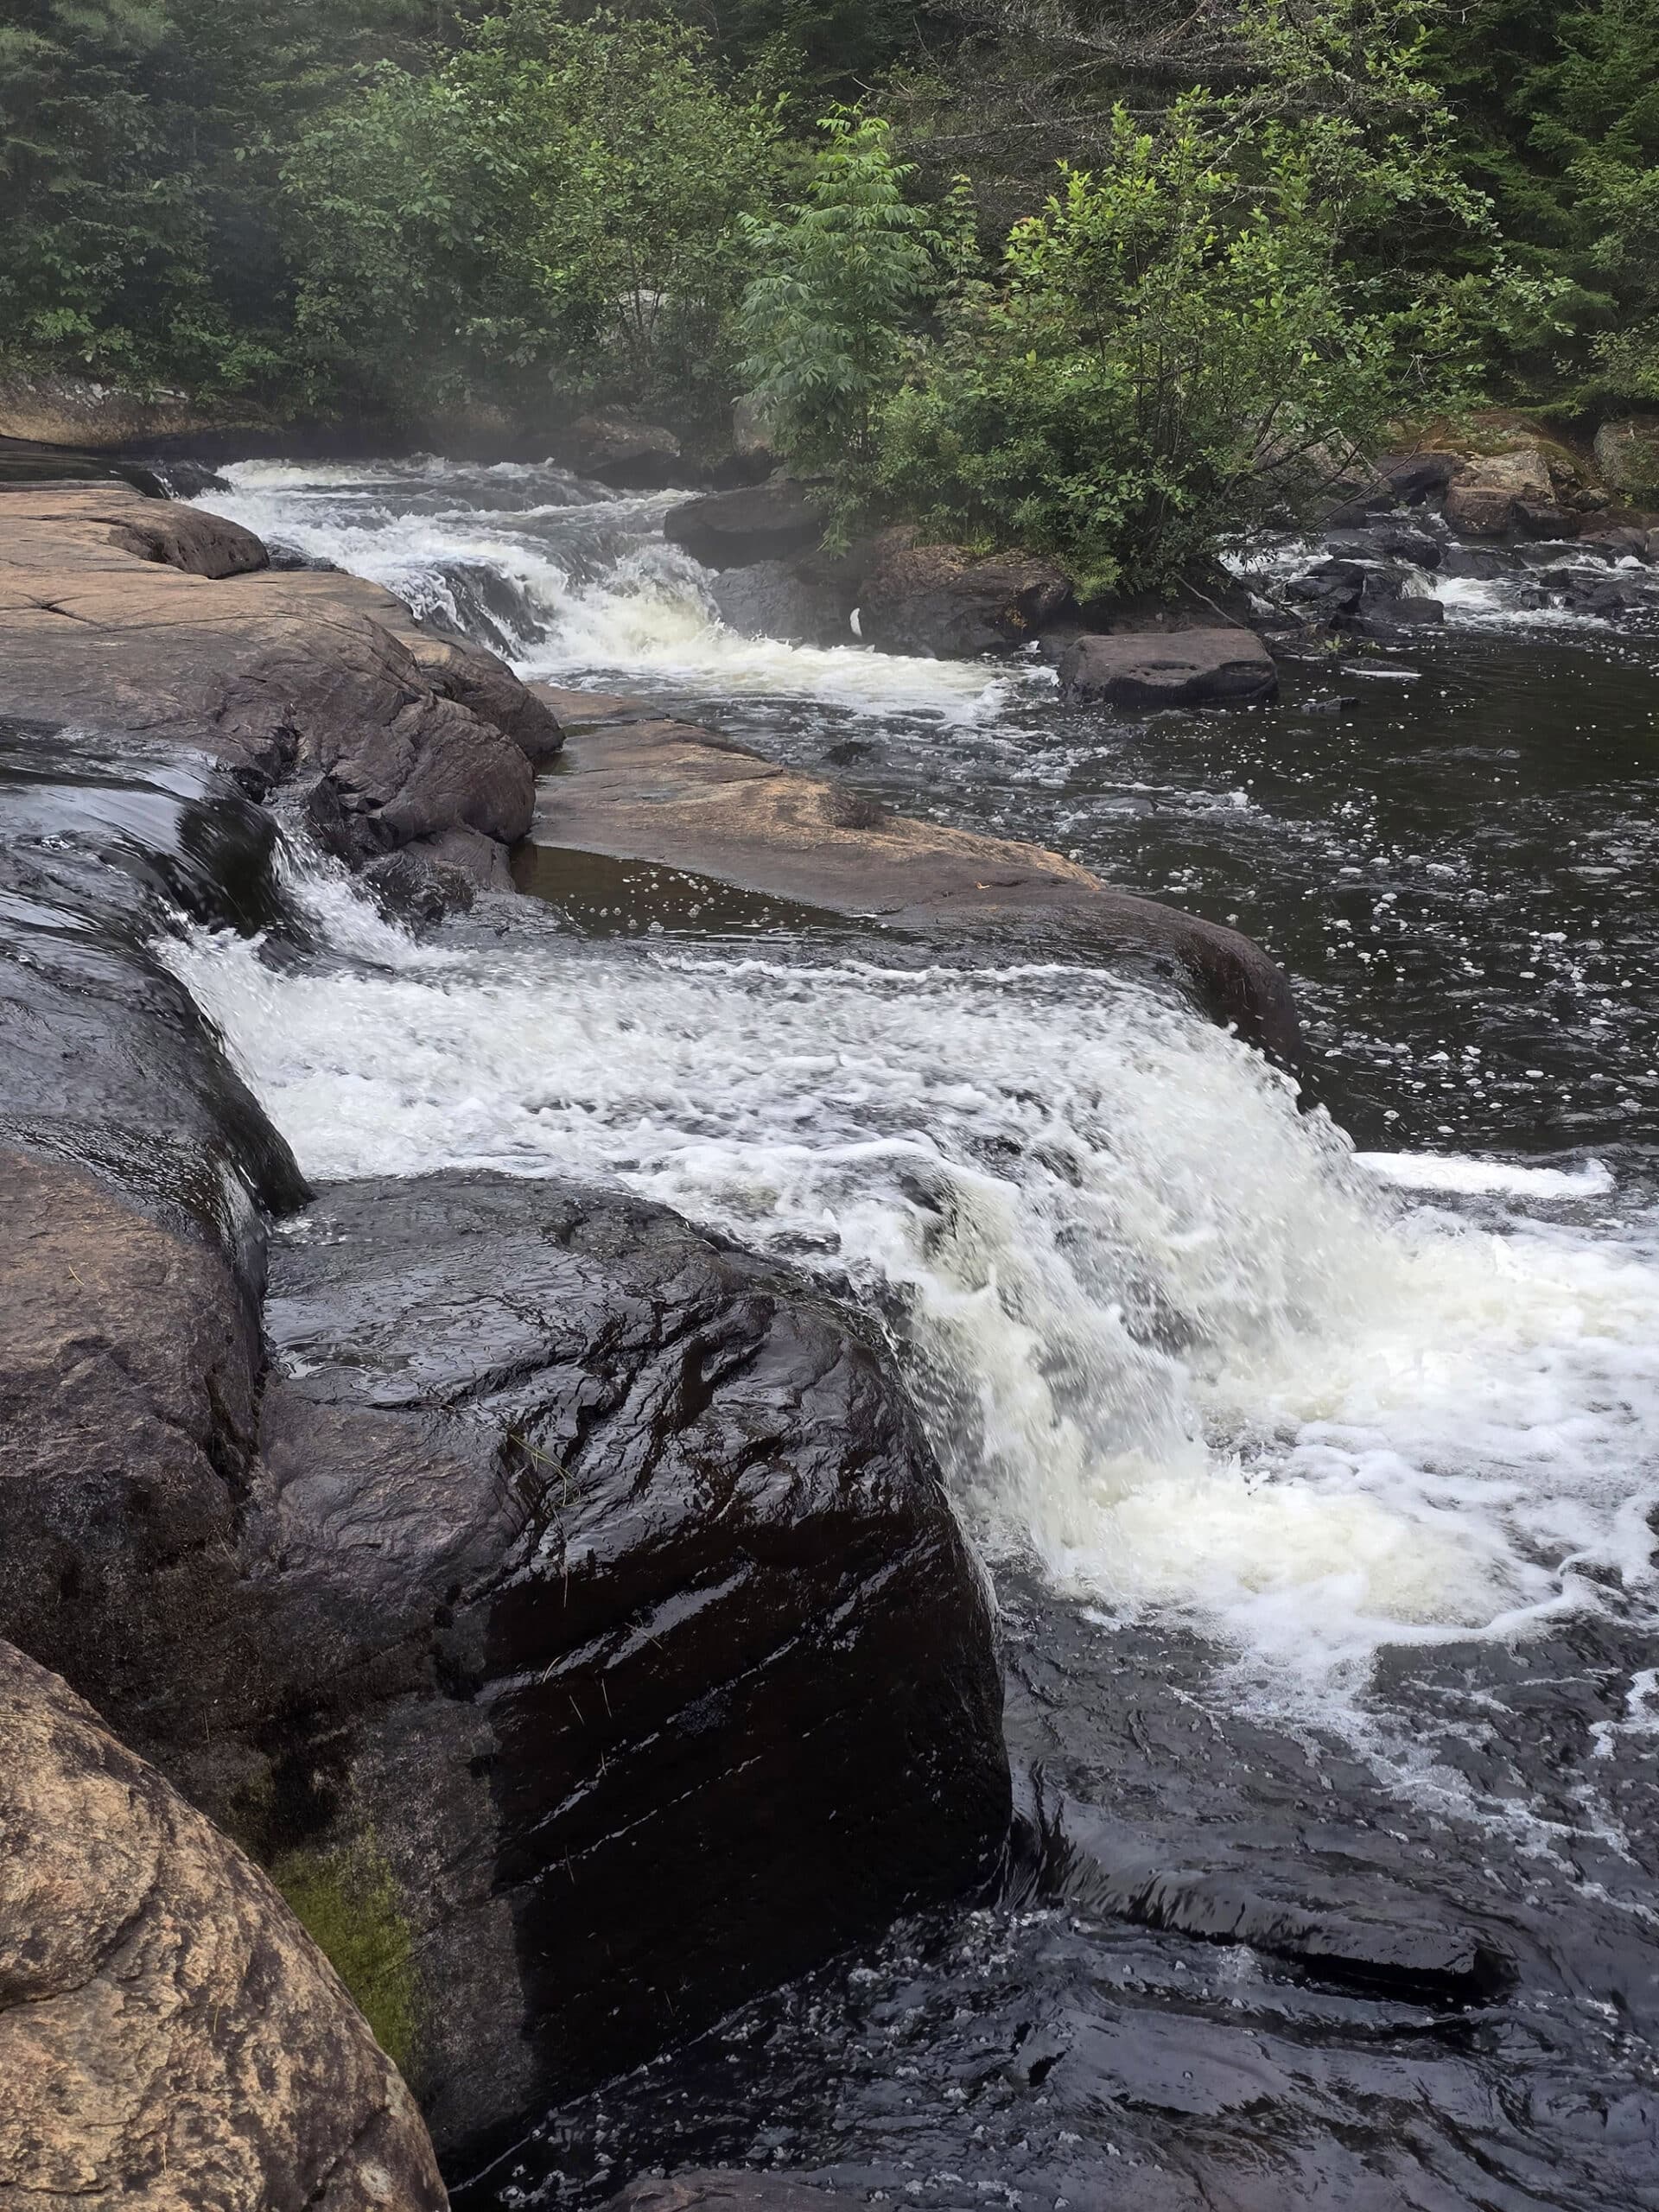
(1169,668)
(169,2034)
(717,2190)
(757,522)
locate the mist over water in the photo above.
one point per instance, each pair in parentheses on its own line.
(1316,1483)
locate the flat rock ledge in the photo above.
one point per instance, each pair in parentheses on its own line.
(681,797)
(169,2034)
(123,613)
(1148,668)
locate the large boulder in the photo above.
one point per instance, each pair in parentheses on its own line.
(169,2034)
(119,613)
(624,451)
(586,1605)
(774,599)
(1499,494)
(757,522)
(1146,668)
(1627,453)
(943,601)
(638,1627)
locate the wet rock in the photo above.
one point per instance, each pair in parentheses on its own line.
(169,2034)
(412,888)
(1368,1932)
(623,450)
(1484,563)
(736,529)
(941,601)
(127,1403)
(1620,541)
(1415,478)
(1627,453)
(273,676)
(1501,494)
(773,599)
(1597,596)
(667,792)
(25,461)
(465,863)
(1176,667)
(1390,542)
(690,1677)
(103,1058)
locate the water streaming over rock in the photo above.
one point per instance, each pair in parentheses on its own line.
(1317,1485)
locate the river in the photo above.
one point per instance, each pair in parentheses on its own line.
(1314,1454)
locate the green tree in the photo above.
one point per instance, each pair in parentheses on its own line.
(560,200)
(139,144)
(1557,119)
(843,274)
(1177,347)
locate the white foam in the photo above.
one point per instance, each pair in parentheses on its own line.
(599,594)
(1460,1175)
(1170,1338)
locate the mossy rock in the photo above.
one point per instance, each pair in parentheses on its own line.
(347,1901)
(1627,453)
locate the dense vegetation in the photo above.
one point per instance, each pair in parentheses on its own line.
(1103,276)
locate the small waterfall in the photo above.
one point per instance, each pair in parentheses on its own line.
(1175,1343)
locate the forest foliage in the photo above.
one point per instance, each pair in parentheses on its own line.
(1099,276)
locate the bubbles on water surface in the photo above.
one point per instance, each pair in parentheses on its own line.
(1173,1340)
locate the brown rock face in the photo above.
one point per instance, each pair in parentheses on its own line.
(1169,668)
(122,613)
(667,792)
(1499,493)
(939,600)
(127,1417)
(169,2036)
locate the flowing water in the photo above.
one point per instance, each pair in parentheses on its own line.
(1314,1454)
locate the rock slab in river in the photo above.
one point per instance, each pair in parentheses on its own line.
(119,612)
(942,601)
(169,2034)
(1169,668)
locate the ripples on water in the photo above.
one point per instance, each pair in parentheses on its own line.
(1318,1488)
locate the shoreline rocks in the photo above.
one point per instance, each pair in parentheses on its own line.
(168,2033)
(123,613)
